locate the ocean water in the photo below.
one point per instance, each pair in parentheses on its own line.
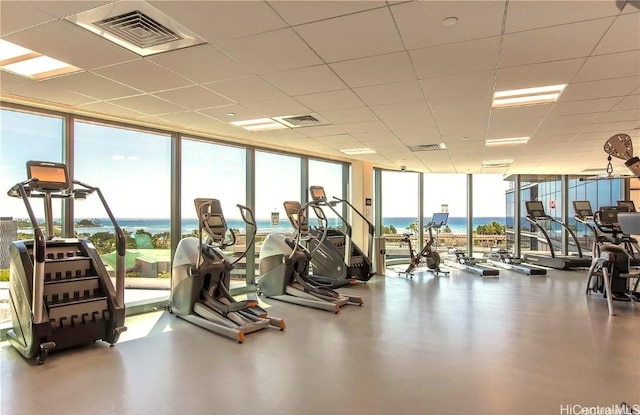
(155,226)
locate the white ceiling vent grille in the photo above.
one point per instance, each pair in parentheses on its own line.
(428,147)
(297,121)
(137,26)
(138,29)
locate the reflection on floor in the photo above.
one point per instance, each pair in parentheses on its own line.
(525,345)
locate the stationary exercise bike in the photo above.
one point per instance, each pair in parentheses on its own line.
(428,255)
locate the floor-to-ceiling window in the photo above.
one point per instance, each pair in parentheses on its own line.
(447,193)
(330,176)
(489,213)
(133,170)
(215,171)
(399,211)
(23,137)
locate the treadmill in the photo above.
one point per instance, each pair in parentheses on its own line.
(536,215)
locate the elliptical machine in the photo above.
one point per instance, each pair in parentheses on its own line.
(428,255)
(284,269)
(201,276)
(610,272)
(60,292)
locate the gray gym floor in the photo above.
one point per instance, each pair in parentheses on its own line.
(456,345)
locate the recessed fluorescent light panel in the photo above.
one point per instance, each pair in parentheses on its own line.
(506,141)
(260,124)
(34,65)
(527,96)
(497,163)
(358,151)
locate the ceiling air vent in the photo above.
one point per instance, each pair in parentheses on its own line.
(137,26)
(428,147)
(297,121)
(138,29)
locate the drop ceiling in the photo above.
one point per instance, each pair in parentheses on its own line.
(381,75)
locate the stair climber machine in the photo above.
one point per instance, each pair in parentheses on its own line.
(536,215)
(284,268)
(202,273)
(610,272)
(339,257)
(314,241)
(60,292)
(428,255)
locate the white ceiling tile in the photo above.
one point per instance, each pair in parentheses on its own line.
(194,97)
(297,12)
(339,140)
(306,80)
(8,80)
(332,100)
(349,115)
(60,8)
(246,89)
(417,136)
(377,137)
(393,67)
(512,128)
(143,75)
(148,105)
(616,65)
(18,15)
(473,56)
(408,91)
(553,43)
(188,119)
(104,108)
(626,115)
(528,112)
(619,36)
(40,91)
(217,21)
(577,119)
(405,115)
(212,65)
(289,135)
(92,85)
(629,103)
(583,107)
(600,89)
(241,113)
(421,25)
(449,109)
(469,128)
(320,131)
(336,40)
(271,52)
(525,15)
(477,83)
(550,130)
(278,107)
(71,44)
(538,74)
(363,127)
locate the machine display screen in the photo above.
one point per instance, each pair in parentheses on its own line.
(51,176)
(535,209)
(440,218)
(317,193)
(609,215)
(627,204)
(582,208)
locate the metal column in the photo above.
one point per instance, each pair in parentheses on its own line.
(469,215)
(517,201)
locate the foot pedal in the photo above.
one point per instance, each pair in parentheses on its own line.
(44,351)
